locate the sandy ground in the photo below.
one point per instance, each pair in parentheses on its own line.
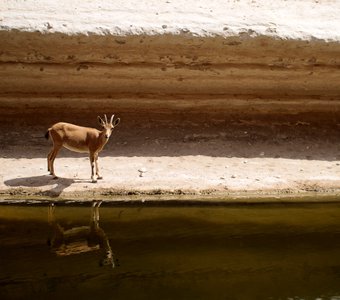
(215,161)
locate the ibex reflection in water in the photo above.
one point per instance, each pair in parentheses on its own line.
(80,239)
(80,139)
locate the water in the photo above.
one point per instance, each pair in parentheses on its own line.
(197,252)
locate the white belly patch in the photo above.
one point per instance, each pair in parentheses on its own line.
(76,149)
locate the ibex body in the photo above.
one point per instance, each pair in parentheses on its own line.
(80,139)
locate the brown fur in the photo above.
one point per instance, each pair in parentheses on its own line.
(79,139)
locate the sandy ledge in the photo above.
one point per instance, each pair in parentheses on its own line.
(215,161)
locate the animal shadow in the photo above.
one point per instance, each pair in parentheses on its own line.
(44,180)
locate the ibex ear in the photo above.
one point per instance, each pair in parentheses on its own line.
(117,121)
(100,121)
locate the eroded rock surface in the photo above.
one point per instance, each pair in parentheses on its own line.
(254,80)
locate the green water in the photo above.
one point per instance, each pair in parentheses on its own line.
(197,252)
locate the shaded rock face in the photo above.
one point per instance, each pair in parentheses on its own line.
(54,74)
(221,58)
(58,64)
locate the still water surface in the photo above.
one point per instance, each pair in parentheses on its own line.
(197,252)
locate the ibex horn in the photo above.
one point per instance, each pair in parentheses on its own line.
(111,119)
(105,118)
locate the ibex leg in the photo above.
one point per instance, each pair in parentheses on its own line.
(51,158)
(97,167)
(92,161)
(49,161)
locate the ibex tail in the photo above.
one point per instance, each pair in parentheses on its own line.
(47,134)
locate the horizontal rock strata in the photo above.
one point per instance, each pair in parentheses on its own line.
(169,71)
(222,56)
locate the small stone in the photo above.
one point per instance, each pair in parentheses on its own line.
(262,154)
(48,25)
(142,171)
(233,176)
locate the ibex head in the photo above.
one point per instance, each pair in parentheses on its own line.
(108,126)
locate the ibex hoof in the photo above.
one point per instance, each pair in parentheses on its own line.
(94,181)
(100,177)
(55,177)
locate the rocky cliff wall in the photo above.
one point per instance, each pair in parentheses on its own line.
(221,56)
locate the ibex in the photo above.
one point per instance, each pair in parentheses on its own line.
(80,139)
(80,239)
